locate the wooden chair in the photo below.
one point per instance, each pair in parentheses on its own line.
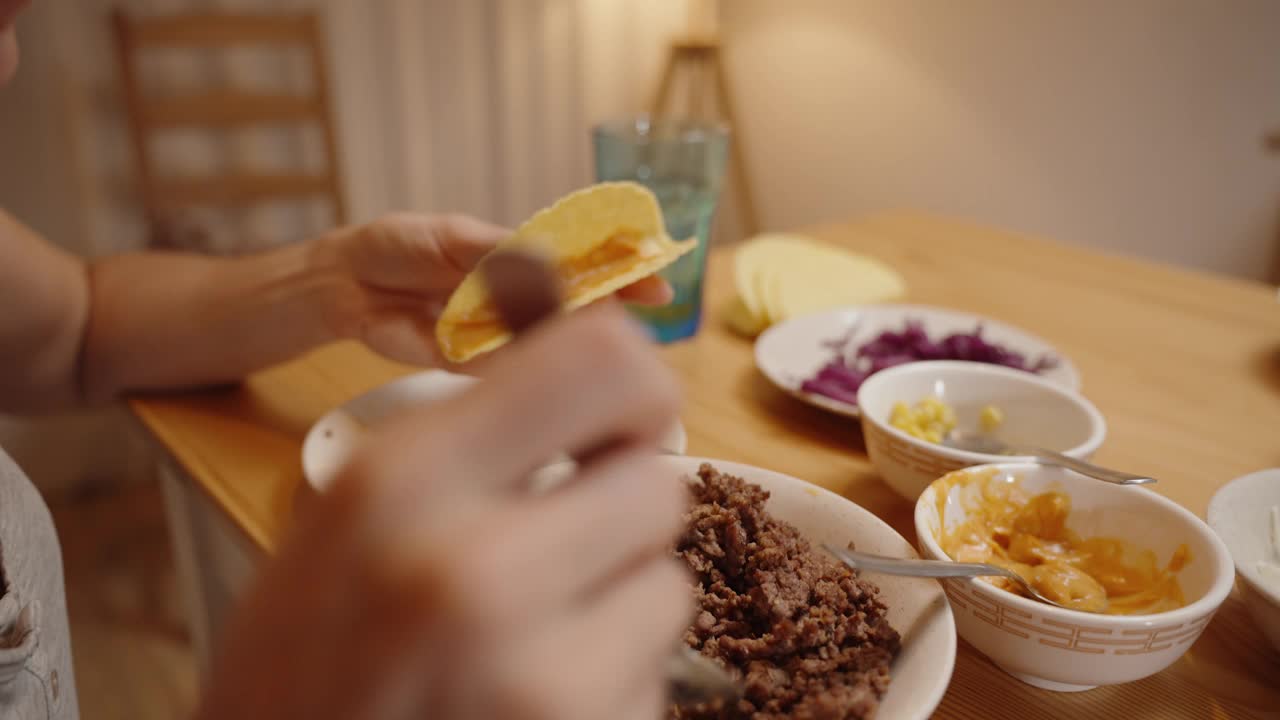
(224,110)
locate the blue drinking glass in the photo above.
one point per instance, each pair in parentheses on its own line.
(682,162)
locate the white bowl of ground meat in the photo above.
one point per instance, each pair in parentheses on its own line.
(806,636)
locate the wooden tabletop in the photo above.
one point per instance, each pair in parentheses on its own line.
(1185,366)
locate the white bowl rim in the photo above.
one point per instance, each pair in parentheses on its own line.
(1247,571)
(320,475)
(1097,424)
(1207,603)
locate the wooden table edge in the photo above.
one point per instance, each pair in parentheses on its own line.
(195,470)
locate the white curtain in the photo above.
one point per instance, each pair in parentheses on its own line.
(480,106)
(486,104)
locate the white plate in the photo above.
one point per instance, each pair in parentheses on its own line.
(793,351)
(917,607)
(330,442)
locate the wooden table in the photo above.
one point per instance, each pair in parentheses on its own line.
(1185,367)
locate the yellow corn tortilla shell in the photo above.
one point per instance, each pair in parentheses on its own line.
(740,320)
(601,239)
(825,277)
(751,267)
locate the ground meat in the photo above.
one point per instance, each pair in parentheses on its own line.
(805,635)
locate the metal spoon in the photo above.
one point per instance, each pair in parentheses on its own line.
(934,569)
(988,445)
(526,291)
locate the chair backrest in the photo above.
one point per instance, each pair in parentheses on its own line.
(225,110)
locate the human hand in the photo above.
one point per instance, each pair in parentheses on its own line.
(427,583)
(394,275)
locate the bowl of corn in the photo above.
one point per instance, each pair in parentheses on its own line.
(908,410)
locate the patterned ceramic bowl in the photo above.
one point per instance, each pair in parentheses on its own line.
(1069,650)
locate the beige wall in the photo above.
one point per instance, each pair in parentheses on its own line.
(1135,125)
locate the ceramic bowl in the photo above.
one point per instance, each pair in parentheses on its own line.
(331,441)
(1240,513)
(917,607)
(1068,650)
(1037,411)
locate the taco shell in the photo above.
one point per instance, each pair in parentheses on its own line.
(599,239)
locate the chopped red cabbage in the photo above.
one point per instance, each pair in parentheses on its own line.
(840,378)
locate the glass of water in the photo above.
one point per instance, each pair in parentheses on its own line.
(682,162)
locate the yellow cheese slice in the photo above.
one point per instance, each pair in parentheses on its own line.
(781,276)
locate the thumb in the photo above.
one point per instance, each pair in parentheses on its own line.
(463,239)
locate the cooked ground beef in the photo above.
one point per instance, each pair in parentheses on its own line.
(807,637)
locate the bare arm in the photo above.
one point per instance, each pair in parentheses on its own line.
(167,320)
(44,307)
(74,332)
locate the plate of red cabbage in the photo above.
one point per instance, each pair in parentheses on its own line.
(823,358)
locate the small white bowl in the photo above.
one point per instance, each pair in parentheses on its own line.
(1240,514)
(335,436)
(1069,650)
(1036,412)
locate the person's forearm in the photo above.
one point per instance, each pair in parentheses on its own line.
(160,320)
(44,301)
